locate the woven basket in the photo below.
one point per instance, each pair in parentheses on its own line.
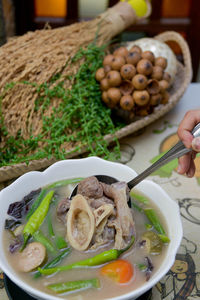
(182,80)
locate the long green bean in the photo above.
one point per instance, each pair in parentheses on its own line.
(64,287)
(64,182)
(153,218)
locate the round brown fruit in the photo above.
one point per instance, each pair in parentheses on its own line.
(136,49)
(108,60)
(121,51)
(114,95)
(104,84)
(161,62)
(139,81)
(107,68)
(114,78)
(141,98)
(155,99)
(133,57)
(157,73)
(164,84)
(144,67)
(148,55)
(100,74)
(127,71)
(117,63)
(127,102)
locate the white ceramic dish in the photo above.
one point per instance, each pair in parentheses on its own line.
(83,168)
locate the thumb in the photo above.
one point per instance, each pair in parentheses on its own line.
(196,144)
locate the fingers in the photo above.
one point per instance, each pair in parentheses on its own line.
(186,162)
(190,119)
(192,169)
(186,165)
(196,144)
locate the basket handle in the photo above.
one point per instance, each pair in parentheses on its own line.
(176,37)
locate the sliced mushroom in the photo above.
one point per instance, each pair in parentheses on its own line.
(32,257)
(80,223)
(102,212)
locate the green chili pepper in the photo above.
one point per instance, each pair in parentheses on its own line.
(96,260)
(60,242)
(36,203)
(39,237)
(55,261)
(64,182)
(37,218)
(64,287)
(153,218)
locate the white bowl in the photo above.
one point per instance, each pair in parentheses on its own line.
(83,168)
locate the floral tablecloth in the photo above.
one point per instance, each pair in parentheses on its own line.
(183,279)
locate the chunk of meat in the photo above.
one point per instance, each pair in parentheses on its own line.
(96,203)
(80,223)
(119,241)
(124,223)
(90,187)
(62,208)
(31,257)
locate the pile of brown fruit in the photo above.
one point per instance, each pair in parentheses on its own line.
(134,81)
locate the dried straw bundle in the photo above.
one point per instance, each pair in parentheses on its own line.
(37,56)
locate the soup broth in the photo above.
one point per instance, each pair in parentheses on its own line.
(137,255)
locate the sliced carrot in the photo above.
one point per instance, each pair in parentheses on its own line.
(120,271)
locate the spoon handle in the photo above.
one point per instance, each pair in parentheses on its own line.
(177,151)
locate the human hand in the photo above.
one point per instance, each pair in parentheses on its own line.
(186,162)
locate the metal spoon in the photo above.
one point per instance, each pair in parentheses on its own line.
(176,151)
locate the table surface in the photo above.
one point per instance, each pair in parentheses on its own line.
(183,280)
